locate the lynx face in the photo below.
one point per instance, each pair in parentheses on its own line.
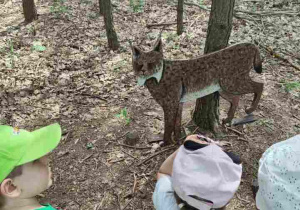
(148,64)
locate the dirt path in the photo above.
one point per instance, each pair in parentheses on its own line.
(58,68)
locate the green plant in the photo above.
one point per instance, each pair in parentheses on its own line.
(31,30)
(37,46)
(200,2)
(11,54)
(297,128)
(137,5)
(124,115)
(93,15)
(89,145)
(170,36)
(119,65)
(176,46)
(255,166)
(59,8)
(289,86)
(86,2)
(266,123)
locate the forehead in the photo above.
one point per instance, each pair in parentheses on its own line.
(151,56)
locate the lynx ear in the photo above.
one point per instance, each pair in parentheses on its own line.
(136,52)
(158,45)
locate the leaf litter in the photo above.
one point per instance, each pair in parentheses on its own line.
(59,69)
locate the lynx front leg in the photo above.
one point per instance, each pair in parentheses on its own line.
(177,129)
(234,102)
(170,118)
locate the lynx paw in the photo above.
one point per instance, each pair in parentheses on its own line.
(226,121)
(249,110)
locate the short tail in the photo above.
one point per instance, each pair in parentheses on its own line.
(257,61)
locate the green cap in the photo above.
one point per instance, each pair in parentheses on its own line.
(18,146)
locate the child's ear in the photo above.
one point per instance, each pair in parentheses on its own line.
(8,189)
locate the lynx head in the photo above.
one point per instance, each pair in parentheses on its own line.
(148,64)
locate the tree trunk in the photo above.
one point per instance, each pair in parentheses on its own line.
(101,7)
(180,17)
(112,38)
(206,114)
(29,10)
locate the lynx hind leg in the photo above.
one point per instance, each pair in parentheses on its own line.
(170,113)
(177,126)
(243,86)
(257,90)
(234,102)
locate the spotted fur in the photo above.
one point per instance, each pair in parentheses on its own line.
(172,82)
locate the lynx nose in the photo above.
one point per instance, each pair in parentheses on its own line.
(144,68)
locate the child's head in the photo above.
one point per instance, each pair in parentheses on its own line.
(24,170)
(205,178)
(279,176)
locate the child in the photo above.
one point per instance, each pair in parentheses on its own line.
(24,170)
(199,175)
(279,176)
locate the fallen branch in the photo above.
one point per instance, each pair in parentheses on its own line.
(162,24)
(129,146)
(134,183)
(155,154)
(242,139)
(197,5)
(241,199)
(207,9)
(234,130)
(268,13)
(128,202)
(280,57)
(115,161)
(84,159)
(127,153)
(296,117)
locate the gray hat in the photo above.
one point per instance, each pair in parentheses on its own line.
(205,178)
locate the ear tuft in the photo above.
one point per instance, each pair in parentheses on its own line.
(136,51)
(158,45)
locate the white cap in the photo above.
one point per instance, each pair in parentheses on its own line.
(279,176)
(206,174)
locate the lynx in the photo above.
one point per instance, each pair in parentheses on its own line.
(173,82)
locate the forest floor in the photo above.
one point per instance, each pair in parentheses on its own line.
(59,69)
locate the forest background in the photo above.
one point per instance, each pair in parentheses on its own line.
(59,68)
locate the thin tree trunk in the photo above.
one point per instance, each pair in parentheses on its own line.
(101,7)
(29,10)
(180,17)
(111,34)
(206,114)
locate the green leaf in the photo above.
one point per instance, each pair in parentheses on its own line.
(39,48)
(89,145)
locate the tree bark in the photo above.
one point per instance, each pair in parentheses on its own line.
(206,114)
(29,10)
(111,34)
(101,7)
(180,17)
